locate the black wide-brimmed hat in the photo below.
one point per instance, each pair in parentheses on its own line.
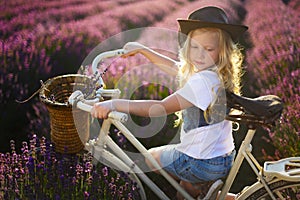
(209,17)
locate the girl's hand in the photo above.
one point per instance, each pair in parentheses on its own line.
(132,48)
(102,109)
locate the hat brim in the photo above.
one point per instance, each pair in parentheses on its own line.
(188,25)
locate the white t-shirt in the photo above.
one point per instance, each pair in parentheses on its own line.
(209,141)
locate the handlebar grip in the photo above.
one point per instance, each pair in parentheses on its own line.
(108,92)
(107,54)
(119,116)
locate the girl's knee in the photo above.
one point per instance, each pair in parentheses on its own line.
(156,155)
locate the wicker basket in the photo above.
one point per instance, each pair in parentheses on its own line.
(69,126)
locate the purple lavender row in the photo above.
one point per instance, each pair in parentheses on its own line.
(49,17)
(276,48)
(89,15)
(273,64)
(38,172)
(118,19)
(12,8)
(20,61)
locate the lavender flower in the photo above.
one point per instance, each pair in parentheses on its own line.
(274,62)
(32,175)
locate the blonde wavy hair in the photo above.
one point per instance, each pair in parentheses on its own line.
(228,66)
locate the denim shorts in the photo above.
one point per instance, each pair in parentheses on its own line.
(194,170)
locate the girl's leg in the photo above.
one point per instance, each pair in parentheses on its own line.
(189,188)
(156,152)
(193,189)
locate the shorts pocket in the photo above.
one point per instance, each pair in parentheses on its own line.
(209,169)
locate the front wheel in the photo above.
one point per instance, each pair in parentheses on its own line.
(281,189)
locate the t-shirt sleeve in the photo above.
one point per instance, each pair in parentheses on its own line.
(199,90)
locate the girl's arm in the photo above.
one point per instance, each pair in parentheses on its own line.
(165,63)
(144,108)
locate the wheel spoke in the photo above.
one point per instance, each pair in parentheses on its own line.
(292,192)
(279,195)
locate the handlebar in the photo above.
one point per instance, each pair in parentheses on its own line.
(108,92)
(107,54)
(77,100)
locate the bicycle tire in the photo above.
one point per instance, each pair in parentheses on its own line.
(287,189)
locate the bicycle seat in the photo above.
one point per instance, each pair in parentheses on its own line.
(264,110)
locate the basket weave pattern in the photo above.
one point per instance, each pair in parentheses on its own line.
(69,126)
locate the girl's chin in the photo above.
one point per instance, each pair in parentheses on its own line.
(201,68)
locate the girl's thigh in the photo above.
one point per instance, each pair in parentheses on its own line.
(194,170)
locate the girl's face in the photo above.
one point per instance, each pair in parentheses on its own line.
(204,49)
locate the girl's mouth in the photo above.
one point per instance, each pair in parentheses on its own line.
(198,63)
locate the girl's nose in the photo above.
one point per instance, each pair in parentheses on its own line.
(201,52)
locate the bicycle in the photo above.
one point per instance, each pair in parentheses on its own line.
(276,179)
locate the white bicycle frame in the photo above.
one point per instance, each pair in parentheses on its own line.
(270,172)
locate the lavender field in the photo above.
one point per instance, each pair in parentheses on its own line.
(44,39)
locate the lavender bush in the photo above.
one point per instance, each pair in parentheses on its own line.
(273,63)
(38,172)
(47,14)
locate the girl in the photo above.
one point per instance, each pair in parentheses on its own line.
(209,61)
